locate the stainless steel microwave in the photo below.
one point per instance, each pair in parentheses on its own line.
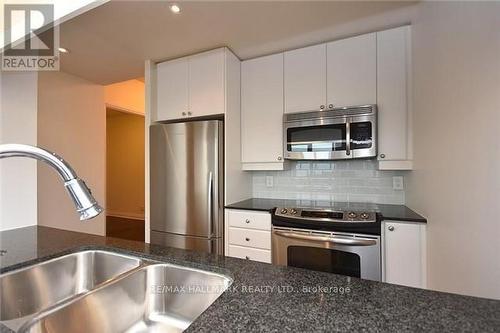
(339,133)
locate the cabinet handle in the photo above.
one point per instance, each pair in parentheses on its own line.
(321,107)
(247,239)
(390,228)
(279,158)
(247,257)
(183,113)
(247,221)
(382,155)
(330,106)
(189,113)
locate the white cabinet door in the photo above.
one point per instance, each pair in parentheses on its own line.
(352,71)
(404,253)
(262,113)
(206,83)
(305,79)
(172,89)
(393,86)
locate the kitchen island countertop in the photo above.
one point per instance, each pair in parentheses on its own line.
(269,298)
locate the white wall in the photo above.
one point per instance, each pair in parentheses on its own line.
(18,124)
(150,107)
(72,123)
(456,184)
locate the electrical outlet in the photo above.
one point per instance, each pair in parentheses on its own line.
(398,183)
(269,181)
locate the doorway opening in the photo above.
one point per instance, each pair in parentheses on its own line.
(124,175)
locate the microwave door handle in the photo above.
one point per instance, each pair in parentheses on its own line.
(334,240)
(348,137)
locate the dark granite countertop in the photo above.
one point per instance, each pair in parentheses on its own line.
(387,212)
(288,298)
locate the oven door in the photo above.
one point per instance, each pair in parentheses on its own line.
(340,253)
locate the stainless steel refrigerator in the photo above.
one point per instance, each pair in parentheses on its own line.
(186,189)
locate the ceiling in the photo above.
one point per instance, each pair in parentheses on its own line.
(111,42)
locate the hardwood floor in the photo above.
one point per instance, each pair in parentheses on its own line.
(124,228)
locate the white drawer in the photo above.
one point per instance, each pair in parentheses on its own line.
(248,237)
(249,219)
(250,253)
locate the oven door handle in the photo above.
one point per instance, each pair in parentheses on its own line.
(334,240)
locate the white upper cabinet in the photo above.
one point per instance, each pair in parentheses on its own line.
(206,83)
(305,79)
(393,99)
(352,71)
(173,89)
(192,86)
(262,113)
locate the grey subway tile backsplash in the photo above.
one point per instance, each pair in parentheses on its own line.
(341,181)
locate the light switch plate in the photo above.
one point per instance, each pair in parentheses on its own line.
(398,183)
(269,181)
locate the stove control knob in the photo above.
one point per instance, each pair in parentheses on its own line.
(293,211)
(284,211)
(352,215)
(364,216)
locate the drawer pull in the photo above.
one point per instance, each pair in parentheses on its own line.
(247,239)
(247,221)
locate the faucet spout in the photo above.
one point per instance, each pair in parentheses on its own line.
(81,195)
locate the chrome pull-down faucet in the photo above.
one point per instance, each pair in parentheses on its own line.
(85,203)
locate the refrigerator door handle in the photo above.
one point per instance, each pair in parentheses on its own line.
(210,202)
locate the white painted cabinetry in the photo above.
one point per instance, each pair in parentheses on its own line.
(305,79)
(374,68)
(206,82)
(173,89)
(339,73)
(352,71)
(193,86)
(404,253)
(395,142)
(262,113)
(247,235)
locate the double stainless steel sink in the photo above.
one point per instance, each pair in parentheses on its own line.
(102,291)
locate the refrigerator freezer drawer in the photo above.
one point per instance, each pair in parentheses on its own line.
(209,245)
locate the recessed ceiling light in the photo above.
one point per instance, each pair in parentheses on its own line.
(63,50)
(175,9)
